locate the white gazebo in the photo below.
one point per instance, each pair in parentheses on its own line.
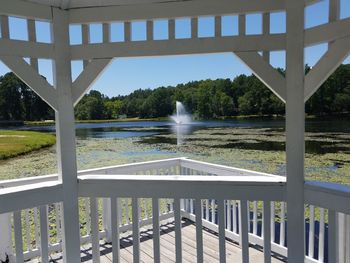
(219,202)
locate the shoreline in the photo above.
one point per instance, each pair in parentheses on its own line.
(223,118)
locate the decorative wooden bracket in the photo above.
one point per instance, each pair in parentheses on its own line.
(88,77)
(335,55)
(265,72)
(32,78)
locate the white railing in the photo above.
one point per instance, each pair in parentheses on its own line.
(226,200)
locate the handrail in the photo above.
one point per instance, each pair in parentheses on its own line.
(328,195)
(218,187)
(27,196)
(116,169)
(223,169)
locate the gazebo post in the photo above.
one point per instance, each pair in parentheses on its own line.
(295,128)
(65,132)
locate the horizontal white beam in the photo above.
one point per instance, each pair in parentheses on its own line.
(32,78)
(179,46)
(134,167)
(27,49)
(25,9)
(328,195)
(28,196)
(172,9)
(327,32)
(203,187)
(87,78)
(329,62)
(265,72)
(223,170)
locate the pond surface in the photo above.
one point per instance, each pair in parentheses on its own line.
(154,132)
(256,144)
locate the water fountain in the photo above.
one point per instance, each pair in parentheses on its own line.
(181,116)
(182,120)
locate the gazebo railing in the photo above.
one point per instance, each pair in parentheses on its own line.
(212,196)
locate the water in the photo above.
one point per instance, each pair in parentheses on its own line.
(181,117)
(237,142)
(154,132)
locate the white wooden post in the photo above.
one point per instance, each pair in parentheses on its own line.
(107,219)
(5,238)
(65,132)
(295,125)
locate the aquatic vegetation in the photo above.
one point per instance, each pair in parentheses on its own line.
(248,148)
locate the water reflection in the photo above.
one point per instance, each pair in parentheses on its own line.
(181,130)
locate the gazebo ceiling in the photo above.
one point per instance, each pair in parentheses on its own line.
(67,4)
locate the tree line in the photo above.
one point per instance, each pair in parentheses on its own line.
(205,99)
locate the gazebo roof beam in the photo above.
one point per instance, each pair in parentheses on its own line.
(179,47)
(327,32)
(172,10)
(25,49)
(95,11)
(25,9)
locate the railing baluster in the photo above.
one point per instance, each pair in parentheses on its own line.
(311,231)
(332,236)
(44,235)
(255,218)
(272,221)
(145,213)
(87,216)
(207,209)
(178,238)
(27,224)
(115,229)
(199,233)
(321,236)
(234,215)
(221,223)
(171,205)
(282,224)
(156,233)
(250,225)
(58,222)
(127,218)
(244,230)
(48,225)
(267,232)
(228,215)
(95,240)
(213,211)
(18,236)
(36,228)
(136,229)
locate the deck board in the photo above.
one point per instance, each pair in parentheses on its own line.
(167,250)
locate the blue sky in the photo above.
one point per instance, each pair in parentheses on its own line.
(127,74)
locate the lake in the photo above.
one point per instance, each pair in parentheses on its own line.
(257,144)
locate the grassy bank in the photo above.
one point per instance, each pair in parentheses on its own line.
(14,143)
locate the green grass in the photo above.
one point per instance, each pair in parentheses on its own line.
(15,143)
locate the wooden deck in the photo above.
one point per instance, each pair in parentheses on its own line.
(210,247)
